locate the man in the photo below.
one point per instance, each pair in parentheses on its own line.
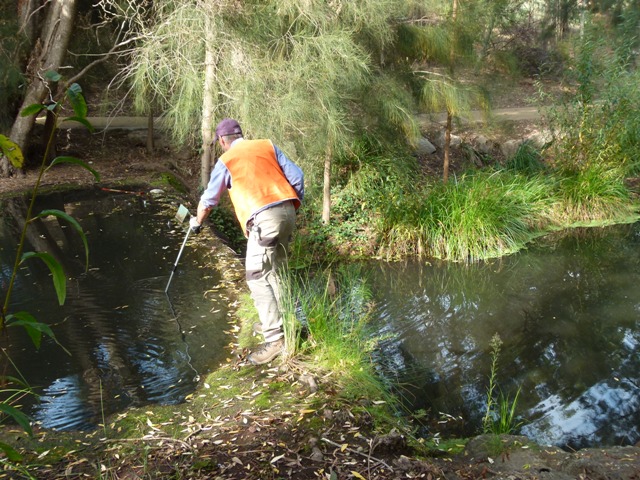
(266,189)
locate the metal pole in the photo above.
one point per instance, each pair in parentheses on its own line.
(175,266)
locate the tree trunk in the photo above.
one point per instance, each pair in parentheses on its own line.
(207,107)
(28,19)
(326,189)
(447,148)
(150,144)
(447,132)
(47,54)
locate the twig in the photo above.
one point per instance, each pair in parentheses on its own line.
(359,453)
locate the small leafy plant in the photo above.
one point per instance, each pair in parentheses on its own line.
(35,329)
(500,415)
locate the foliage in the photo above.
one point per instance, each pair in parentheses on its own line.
(376,179)
(284,70)
(599,129)
(480,215)
(325,319)
(527,160)
(593,192)
(35,329)
(499,416)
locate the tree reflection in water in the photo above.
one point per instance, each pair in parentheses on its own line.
(567,311)
(129,346)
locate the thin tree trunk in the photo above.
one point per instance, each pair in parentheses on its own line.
(47,55)
(447,148)
(150,145)
(207,108)
(326,189)
(447,132)
(28,19)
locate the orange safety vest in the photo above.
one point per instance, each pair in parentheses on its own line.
(256,178)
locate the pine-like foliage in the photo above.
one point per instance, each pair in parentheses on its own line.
(290,70)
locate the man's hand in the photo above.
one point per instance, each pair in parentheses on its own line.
(194,225)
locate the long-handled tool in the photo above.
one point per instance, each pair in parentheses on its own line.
(180,216)
(182,213)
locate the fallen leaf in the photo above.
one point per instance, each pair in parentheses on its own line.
(275,459)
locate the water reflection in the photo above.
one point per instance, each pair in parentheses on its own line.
(130,343)
(567,313)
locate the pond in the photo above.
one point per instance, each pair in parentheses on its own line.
(568,313)
(129,342)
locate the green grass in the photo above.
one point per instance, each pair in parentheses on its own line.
(592,193)
(500,414)
(334,306)
(325,324)
(481,215)
(485,214)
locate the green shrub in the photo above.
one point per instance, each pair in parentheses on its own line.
(527,160)
(481,215)
(594,192)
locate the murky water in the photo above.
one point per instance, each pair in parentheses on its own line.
(130,344)
(568,313)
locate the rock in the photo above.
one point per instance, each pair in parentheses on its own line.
(316,455)
(510,148)
(308,381)
(482,144)
(599,463)
(517,457)
(425,147)
(393,442)
(456,141)
(540,139)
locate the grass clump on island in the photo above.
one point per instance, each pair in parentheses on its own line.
(479,214)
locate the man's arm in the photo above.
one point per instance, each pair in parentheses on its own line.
(294,174)
(219,182)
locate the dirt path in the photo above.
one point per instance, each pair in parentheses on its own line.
(141,123)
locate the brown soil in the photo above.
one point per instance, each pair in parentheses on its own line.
(119,157)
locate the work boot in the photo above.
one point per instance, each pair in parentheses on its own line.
(267,352)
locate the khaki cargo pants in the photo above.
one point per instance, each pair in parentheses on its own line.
(269,237)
